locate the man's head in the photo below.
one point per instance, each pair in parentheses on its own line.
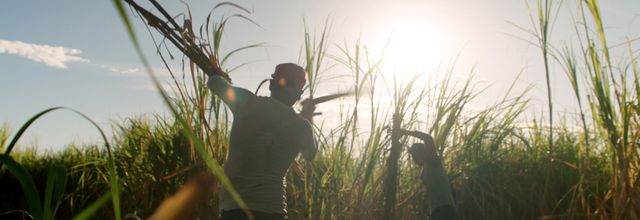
(418,153)
(287,82)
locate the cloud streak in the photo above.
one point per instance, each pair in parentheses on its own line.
(124,71)
(127,71)
(53,56)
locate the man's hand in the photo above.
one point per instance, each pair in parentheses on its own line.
(309,105)
(308,110)
(422,152)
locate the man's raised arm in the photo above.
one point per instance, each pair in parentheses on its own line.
(234,97)
(433,176)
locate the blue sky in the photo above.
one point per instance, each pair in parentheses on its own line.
(77,53)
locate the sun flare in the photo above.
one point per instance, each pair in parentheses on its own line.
(413,48)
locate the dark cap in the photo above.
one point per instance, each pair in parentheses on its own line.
(293,75)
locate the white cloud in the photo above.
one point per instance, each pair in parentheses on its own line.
(128,71)
(53,56)
(124,71)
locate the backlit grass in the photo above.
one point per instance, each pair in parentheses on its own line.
(501,165)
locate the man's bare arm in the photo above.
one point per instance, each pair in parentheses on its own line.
(420,135)
(430,154)
(434,177)
(309,145)
(233,97)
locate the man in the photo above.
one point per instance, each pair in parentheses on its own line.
(266,136)
(433,176)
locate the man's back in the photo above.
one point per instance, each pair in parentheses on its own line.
(266,136)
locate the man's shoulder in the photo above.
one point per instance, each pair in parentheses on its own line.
(273,106)
(265,100)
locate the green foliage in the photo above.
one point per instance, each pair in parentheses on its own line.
(56,178)
(4,135)
(27,184)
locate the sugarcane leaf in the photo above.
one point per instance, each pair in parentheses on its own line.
(224,59)
(232,5)
(27,184)
(24,127)
(94,207)
(56,183)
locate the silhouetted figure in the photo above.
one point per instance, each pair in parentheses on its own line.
(266,136)
(433,176)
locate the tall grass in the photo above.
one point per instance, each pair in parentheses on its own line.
(613,112)
(56,176)
(500,165)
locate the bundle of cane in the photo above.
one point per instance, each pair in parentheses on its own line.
(182,37)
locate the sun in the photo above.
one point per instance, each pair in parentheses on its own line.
(414,48)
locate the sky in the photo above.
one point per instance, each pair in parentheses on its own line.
(77,54)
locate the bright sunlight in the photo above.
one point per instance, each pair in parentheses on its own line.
(414,47)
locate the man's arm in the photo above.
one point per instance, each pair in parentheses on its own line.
(428,152)
(309,146)
(434,177)
(420,135)
(308,109)
(234,97)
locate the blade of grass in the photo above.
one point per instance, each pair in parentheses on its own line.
(113,176)
(24,127)
(88,212)
(56,183)
(27,184)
